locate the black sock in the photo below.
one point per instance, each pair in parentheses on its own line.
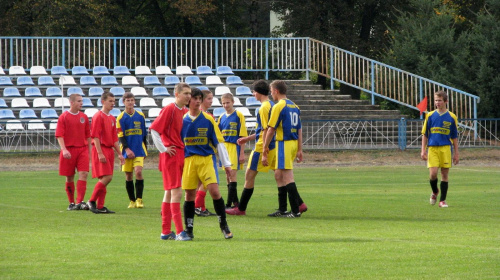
(189,215)
(292,197)
(299,199)
(444,190)
(129,185)
(229,196)
(434,185)
(221,211)
(234,192)
(245,198)
(282,199)
(139,187)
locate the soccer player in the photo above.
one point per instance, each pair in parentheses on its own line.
(201,137)
(166,132)
(254,166)
(105,140)
(285,122)
(132,134)
(199,203)
(73,136)
(439,132)
(232,126)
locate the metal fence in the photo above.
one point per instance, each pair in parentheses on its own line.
(328,135)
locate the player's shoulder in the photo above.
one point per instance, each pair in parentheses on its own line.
(121,115)
(452,115)
(140,113)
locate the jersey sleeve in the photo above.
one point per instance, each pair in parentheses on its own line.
(424,127)
(96,129)
(454,127)
(159,123)
(264,112)
(216,135)
(275,114)
(61,126)
(87,126)
(243,127)
(143,126)
(119,124)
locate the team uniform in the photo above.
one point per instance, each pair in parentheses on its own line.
(232,127)
(170,132)
(133,129)
(104,128)
(440,129)
(285,118)
(255,159)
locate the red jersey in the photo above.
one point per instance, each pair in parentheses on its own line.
(169,125)
(73,128)
(104,128)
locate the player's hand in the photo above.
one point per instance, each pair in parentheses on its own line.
(171,151)
(455,159)
(122,159)
(130,153)
(241,159)
(241,141)
(101,157)
(66,154)
(228,172)
(264,160)
(299,156)
(423,155)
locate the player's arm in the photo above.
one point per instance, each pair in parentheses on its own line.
(123,141)
(267,140)
(157,141)
(66,153)
(242,141)
(100,154)
(224,158)
(299,148)
(116,146)
(423,151)
(456,159)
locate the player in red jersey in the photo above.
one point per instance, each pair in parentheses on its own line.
(166,133)
(105,139)
(73,136)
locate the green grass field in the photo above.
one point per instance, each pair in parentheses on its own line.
(362,223)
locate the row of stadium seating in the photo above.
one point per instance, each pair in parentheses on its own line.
(118,70)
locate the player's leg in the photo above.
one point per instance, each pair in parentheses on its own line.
(166,218)
(289,152)
(246,194)
(81,189)
(232,185)
(213,188)
(139,181)
(103,171)
(67,168)
(129,181)
(444,187)
(70,192)
(282,195)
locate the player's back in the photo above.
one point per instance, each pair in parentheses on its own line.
(285,118)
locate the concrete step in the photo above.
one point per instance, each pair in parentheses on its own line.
(348,117)
(335,102)
(337,107)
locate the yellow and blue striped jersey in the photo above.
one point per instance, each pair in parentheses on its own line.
(440,128)
(201,135)
(133,129)
(262,124)
(232,126)
(285,118)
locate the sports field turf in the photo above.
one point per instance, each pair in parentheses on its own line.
(362,223)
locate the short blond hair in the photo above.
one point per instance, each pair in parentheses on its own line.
(227,96)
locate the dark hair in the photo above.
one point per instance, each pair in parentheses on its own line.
(128,95)
(442,94)
(106,94)
(261,87)
(195,92)
(280,86)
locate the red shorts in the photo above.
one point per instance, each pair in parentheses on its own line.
(100,169)
(171,169)
(79,160)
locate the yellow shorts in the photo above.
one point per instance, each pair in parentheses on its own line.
(439,156)
(233,151)
(131,163)
(286,152)
(255,161)
(198,169)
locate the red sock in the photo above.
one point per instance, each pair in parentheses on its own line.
(102,197)
(81,188)
(199,202)
(70,191)
(177,217)
(97,191)
(166,218)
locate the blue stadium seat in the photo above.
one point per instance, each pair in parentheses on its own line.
(99,102)
(32,92)
(27,114)
(3,104)
(49,114)
(58,70)
(224,70)
(203,88)
(95,91)
(252,101)
(100,70)
(87,102)
(77,90)
(79,70)
(5,81)
(171,80)
(25,81)
(11,92)
(115,112)
(204,70)
(46,81)
(7,114)
(243,90)
(151,81)
(160,91)
(193,81)
(233,81)
(121,70)
(109,81)
(219,111)
(53,92)
(117,91)
(88,81)
(120,103)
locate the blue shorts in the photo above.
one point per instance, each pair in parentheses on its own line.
(255,161)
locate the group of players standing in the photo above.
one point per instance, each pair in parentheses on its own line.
(188,139)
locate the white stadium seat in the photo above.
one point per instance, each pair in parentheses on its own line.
(148,102)
(163,70)
(38,70)
(138,91)
(154,112)
(130,81)
(142,70)
(167,100)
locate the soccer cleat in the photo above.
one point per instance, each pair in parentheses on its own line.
(82,206)
(131,204)
(204,213)
(443,204)
(92,206)
(432,200)
(104,210)
(170,236)
(278,213)
(183,236)
(72,206)
(208,213)
(291,215)
(302,208)
(138,203)
(227,233)
(235,211)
